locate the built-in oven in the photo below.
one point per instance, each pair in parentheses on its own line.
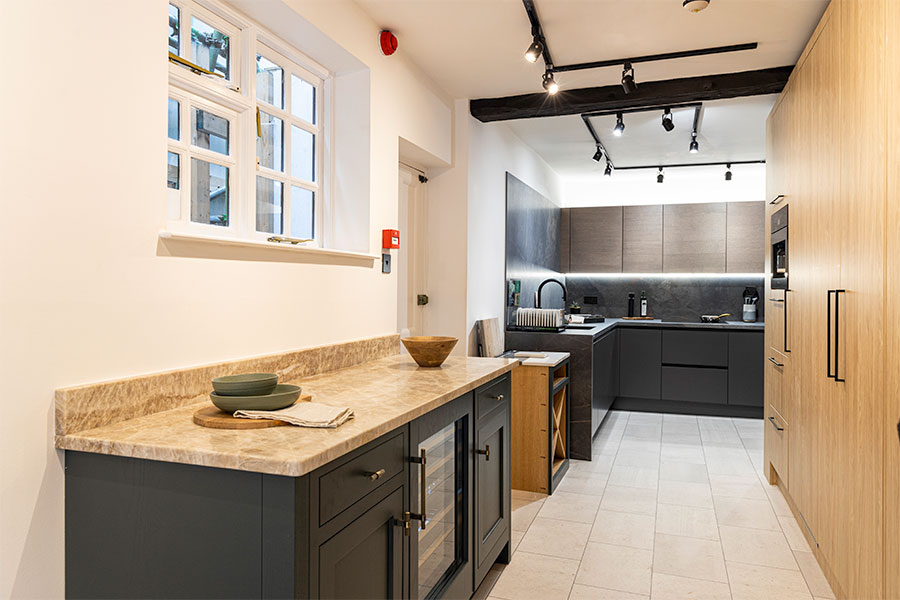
(779,241)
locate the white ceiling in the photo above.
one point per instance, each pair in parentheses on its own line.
(473,48)
(730,130)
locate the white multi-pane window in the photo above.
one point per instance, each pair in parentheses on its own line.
(245,134)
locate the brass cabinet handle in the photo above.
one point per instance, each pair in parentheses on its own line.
(775,362)
(486,452)
(423,488)
(499,397)
(775,425)
(377,474)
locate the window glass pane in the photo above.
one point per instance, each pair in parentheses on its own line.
(174,112)
(173,174)
(209,193)
(209,47)
(303,160)
(269,82)
(174,30)
(303,99)
(270,144)
(269,204)
(209,131)
(303,213)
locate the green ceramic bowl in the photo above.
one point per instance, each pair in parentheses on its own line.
(246,384)
(281,397)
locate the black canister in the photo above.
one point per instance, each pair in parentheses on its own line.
(630,304)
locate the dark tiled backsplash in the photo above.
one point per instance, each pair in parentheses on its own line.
(670,299)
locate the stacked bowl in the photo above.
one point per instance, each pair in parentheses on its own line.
(252,391)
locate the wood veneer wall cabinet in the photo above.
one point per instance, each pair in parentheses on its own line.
(839,178)
(595,239)
(642,239)
(694,238)
(745,232)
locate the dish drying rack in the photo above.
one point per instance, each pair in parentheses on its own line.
(540,319)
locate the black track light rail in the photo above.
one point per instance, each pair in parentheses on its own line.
(648,58)
(683,165)
(537,32)
(625,111)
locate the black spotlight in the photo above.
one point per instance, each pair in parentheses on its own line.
(549,83)
(534,50)
(667,122)
(598,155)
(628,83)
(608,171)
(620,126)
(728,172)
(695,147)
(660,178)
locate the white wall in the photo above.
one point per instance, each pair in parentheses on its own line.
(681,186)
(493,150)
(84,294)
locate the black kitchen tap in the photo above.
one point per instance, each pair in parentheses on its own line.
(537,296)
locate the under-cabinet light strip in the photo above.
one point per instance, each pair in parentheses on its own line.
(665,275)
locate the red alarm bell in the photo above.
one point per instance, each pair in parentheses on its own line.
(390,238)
(388,42)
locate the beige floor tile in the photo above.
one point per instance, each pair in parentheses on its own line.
(757,547)
(723,465)
(812,573)
(688,439)
(688,521)
(683,471)
(563,539)
(605,445)
(514,538)
(685,494)
(565,506)
(689,557)
(643,432)
(583,482)
(629,500)
(779,504)
(738,486)
(640,477)
(524,512)
(645,418)
(753,582)
(794,534)
(739,512)
(672,587)
(599,463)
(685,453)
(536,577)
(589,592)
(623,529)
(616,568)
(637,458)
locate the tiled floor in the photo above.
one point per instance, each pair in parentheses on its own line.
(671,507)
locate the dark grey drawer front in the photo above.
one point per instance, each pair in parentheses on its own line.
(491,396)
(639,361)
(353,479)
(686,384)
(695,348)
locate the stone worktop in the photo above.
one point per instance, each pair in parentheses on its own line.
(384,394)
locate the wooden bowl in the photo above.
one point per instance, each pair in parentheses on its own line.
(428,350)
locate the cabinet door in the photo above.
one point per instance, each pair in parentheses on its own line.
(640,363)
(365,559)
(745,368)
(642,239)
(745,237)
(605,378)
(595,240)
(694,238)
(492,489)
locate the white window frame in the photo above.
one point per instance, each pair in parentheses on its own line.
(236,100)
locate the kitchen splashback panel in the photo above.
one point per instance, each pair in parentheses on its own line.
(669,298)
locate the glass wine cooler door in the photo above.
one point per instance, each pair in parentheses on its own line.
(442,496)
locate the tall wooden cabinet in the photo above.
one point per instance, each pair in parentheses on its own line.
(828,139)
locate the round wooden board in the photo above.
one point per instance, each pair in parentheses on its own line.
(210,416)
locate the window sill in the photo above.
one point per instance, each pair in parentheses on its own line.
(209,246)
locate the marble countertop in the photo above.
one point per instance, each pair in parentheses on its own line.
(384,394)
(595,329)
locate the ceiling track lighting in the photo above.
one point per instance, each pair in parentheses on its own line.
(628,84)
(608,171)
(549,83)
(598,155)
(728,172)
(695,147)
(660,177)
(535,49)
(667,122)
(620,126)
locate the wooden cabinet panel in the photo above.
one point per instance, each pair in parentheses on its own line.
(745,230)
(595,239)
(694,238)
(642,239)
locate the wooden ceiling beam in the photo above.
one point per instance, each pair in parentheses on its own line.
(649,93)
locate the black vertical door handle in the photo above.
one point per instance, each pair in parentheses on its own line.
(828,336)
(837,334)
(898,430)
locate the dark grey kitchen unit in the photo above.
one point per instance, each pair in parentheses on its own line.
(138,528)
(640,352)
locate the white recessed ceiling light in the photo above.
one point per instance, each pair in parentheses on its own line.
(695,6)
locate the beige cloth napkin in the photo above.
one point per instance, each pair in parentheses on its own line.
(304,414)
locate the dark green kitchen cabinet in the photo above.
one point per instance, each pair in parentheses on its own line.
(640,362)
